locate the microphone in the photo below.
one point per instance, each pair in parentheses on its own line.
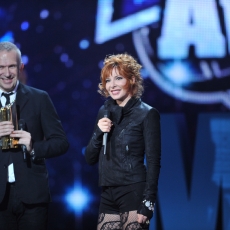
(21,125)
(105,136)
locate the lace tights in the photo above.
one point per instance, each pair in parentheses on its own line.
(124,221)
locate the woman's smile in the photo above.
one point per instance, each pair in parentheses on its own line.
(116,87)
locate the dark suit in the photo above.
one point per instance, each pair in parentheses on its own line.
(49,140)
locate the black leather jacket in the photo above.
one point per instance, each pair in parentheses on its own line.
(135,133)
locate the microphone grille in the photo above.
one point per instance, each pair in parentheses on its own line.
(21,124)
(106,113)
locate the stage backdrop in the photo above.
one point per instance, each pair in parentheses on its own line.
(183,46)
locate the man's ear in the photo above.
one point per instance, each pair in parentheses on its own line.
(21,67)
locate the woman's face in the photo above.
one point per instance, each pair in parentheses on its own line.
(115,85)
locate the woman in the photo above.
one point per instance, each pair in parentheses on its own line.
(127,130)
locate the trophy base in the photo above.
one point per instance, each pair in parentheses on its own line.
(9,143)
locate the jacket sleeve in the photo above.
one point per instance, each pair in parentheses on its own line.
(94,146)
(55,142)
(152,139)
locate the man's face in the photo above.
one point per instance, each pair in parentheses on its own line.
(9,70)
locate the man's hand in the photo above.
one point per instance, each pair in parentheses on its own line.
(24,138)
(6,128)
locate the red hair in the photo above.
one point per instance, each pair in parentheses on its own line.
(128,68)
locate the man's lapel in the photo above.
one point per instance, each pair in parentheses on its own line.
(21,97)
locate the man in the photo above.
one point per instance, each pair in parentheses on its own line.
(24,189)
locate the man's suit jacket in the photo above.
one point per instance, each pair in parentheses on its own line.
(49,140)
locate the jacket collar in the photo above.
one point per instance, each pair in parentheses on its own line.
(118,112)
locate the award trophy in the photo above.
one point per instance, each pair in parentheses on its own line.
(9,113)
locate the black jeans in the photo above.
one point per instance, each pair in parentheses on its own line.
(16,215)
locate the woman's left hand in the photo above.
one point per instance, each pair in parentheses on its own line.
(142,219)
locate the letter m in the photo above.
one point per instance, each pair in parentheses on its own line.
(194,192)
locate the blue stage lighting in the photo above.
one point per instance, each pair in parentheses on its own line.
(78,199)
(44,14)
(25,59)
(84,44)
(25,25)
(8,36)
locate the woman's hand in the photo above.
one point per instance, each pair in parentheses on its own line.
(105,125)
(142,219)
